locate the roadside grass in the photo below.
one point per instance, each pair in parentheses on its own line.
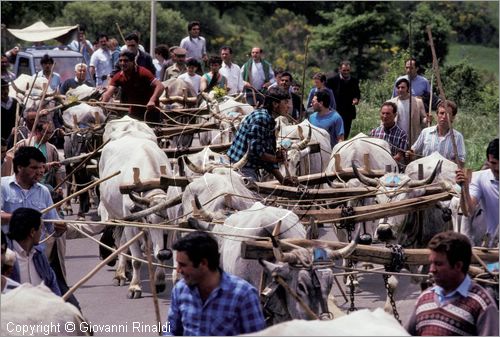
(485,59)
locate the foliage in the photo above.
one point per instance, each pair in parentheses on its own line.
(485,59)
(358,31)
(421,18)
(473,22)
(289,30)
(131,16)
(462,83)
(380,90)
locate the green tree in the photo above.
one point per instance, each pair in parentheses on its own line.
(130,16)
(420,19)
(359,31)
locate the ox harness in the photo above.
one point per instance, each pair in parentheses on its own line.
(273,297)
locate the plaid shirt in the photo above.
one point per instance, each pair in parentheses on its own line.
(256,131)
(429,142)
(395,136)
(233,308)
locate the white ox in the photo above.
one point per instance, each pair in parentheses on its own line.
(35,307)
(133,144)
(474,226)
(260,221)
(295,139)
(359,323)
(404,229)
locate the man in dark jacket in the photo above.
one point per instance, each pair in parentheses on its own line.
(142,59)
(347,94)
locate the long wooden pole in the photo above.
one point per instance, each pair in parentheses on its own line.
(100,265)
(429,114)
(120,31)
(79,192)
(463,203)
(301,114)
(90,155)
(152,282)
(44,92)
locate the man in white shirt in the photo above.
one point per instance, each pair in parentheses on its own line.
(82,45)
(191,76)
(483,190)
(47,62)
(231,71)
(101,64)
(31,266)
(195,44)
(257,76)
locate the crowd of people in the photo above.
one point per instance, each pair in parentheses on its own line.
(30,170)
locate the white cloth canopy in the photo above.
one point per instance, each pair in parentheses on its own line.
(39,31)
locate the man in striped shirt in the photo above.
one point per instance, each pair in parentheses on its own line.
(391,132)
(438,138)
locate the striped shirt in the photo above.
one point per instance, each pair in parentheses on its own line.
(233,308)
(429,142)
(257,132)
(395,136)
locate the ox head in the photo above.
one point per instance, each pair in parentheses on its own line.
(214,166)
(307,274)
(394,187)
(295,152)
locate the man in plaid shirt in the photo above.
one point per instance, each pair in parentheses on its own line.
(391,132)
(256,133)
(208,301)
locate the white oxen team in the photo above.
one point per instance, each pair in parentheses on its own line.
(217,198)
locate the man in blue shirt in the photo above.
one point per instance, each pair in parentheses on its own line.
(420,86)
(208,301)
(325,118)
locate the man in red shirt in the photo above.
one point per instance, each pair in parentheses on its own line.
(138,86)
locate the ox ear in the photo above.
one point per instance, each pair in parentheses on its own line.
(282,270)
(304,142)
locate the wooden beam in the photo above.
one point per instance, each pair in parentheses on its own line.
(251,249)
(175,153)
(372,212)
(187,129)
(344,174)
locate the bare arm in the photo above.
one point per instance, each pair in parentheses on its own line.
(463,180)
(159,88)
(203,84)
(108,94)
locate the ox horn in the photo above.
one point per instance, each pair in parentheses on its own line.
(364,179)
(205,214)
(342,252)
(239,97)
(243,161)
(278,253)
(193,167)
(430,179)
(14,86)
(304,142)
(166,204)
(138,199)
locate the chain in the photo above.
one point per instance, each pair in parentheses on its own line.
(397,261)
(390,294)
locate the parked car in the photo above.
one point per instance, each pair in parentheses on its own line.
(28,62)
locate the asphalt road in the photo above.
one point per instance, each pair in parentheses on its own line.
(106,306)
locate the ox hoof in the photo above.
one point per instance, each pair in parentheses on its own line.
(118,282)
(160,288)
(134,294)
